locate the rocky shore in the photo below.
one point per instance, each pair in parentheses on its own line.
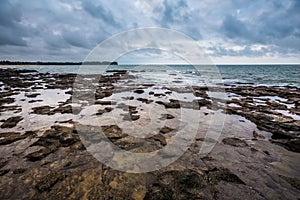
(42,155)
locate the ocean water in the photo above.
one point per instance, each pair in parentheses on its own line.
(270,75)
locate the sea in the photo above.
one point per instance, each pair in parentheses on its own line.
(231,75)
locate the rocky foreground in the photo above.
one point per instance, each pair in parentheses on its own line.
(42,155)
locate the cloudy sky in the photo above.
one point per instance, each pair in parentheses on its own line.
(232,31)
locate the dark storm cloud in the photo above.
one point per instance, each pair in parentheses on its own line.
(61,29)
(75,38)
(98,11)
(272,26)
(234,28)
(11,31)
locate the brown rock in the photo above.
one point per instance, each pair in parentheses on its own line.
(11,122)
(234,142)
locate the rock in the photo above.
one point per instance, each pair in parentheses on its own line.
(32,95)
(42,153)
(222,174)
(105,102)
(202,102)
(33,101)
(189,184)
(234,142)
(4,171)
(19,171)
(292,181)
(11,122)
(257,135)
(144,100)
(172,104)
(10,137)
(113,132)
(47,182)
(63,109)
(160,138)
(166,116)
(130,117)
(186,184)
(166,129)
(105,110)
(128,98)
(52,140)
(2,164)
(139,91)
(43,110)
(159,94)
(289,144)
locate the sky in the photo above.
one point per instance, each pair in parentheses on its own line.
(228,32)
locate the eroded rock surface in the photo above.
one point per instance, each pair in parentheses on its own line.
(53,161)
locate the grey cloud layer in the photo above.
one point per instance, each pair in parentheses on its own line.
(62,30)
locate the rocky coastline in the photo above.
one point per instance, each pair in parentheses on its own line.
(43,157)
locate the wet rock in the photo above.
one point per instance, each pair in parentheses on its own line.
(172,104)
(70,121)
(257,135)
(130,117)
(52,140)
(43,110)
(189,184)
(292,181)
(117,72)
(222,174)
(102,93)
(4,171)
(11,122)
(139,91)
(47,182)
(144,100)
(48,110)
(8,93)
(289,144)
(10,137)
(113,132)
(166,116)
(19,171)
(42,153)
(186,184)
(63,109)
(202,102)
(128,98)
(105,110)
(2,164)
(33,95)
(159,94)
(166,129)
(34,101)
(160,138)
(234,142)
(17,109)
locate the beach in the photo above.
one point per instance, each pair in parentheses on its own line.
(50,124)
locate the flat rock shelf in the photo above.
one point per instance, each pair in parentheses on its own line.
(42,156)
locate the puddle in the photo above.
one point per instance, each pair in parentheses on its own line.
(287,113)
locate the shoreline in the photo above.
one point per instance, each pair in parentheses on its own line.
(42,154)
